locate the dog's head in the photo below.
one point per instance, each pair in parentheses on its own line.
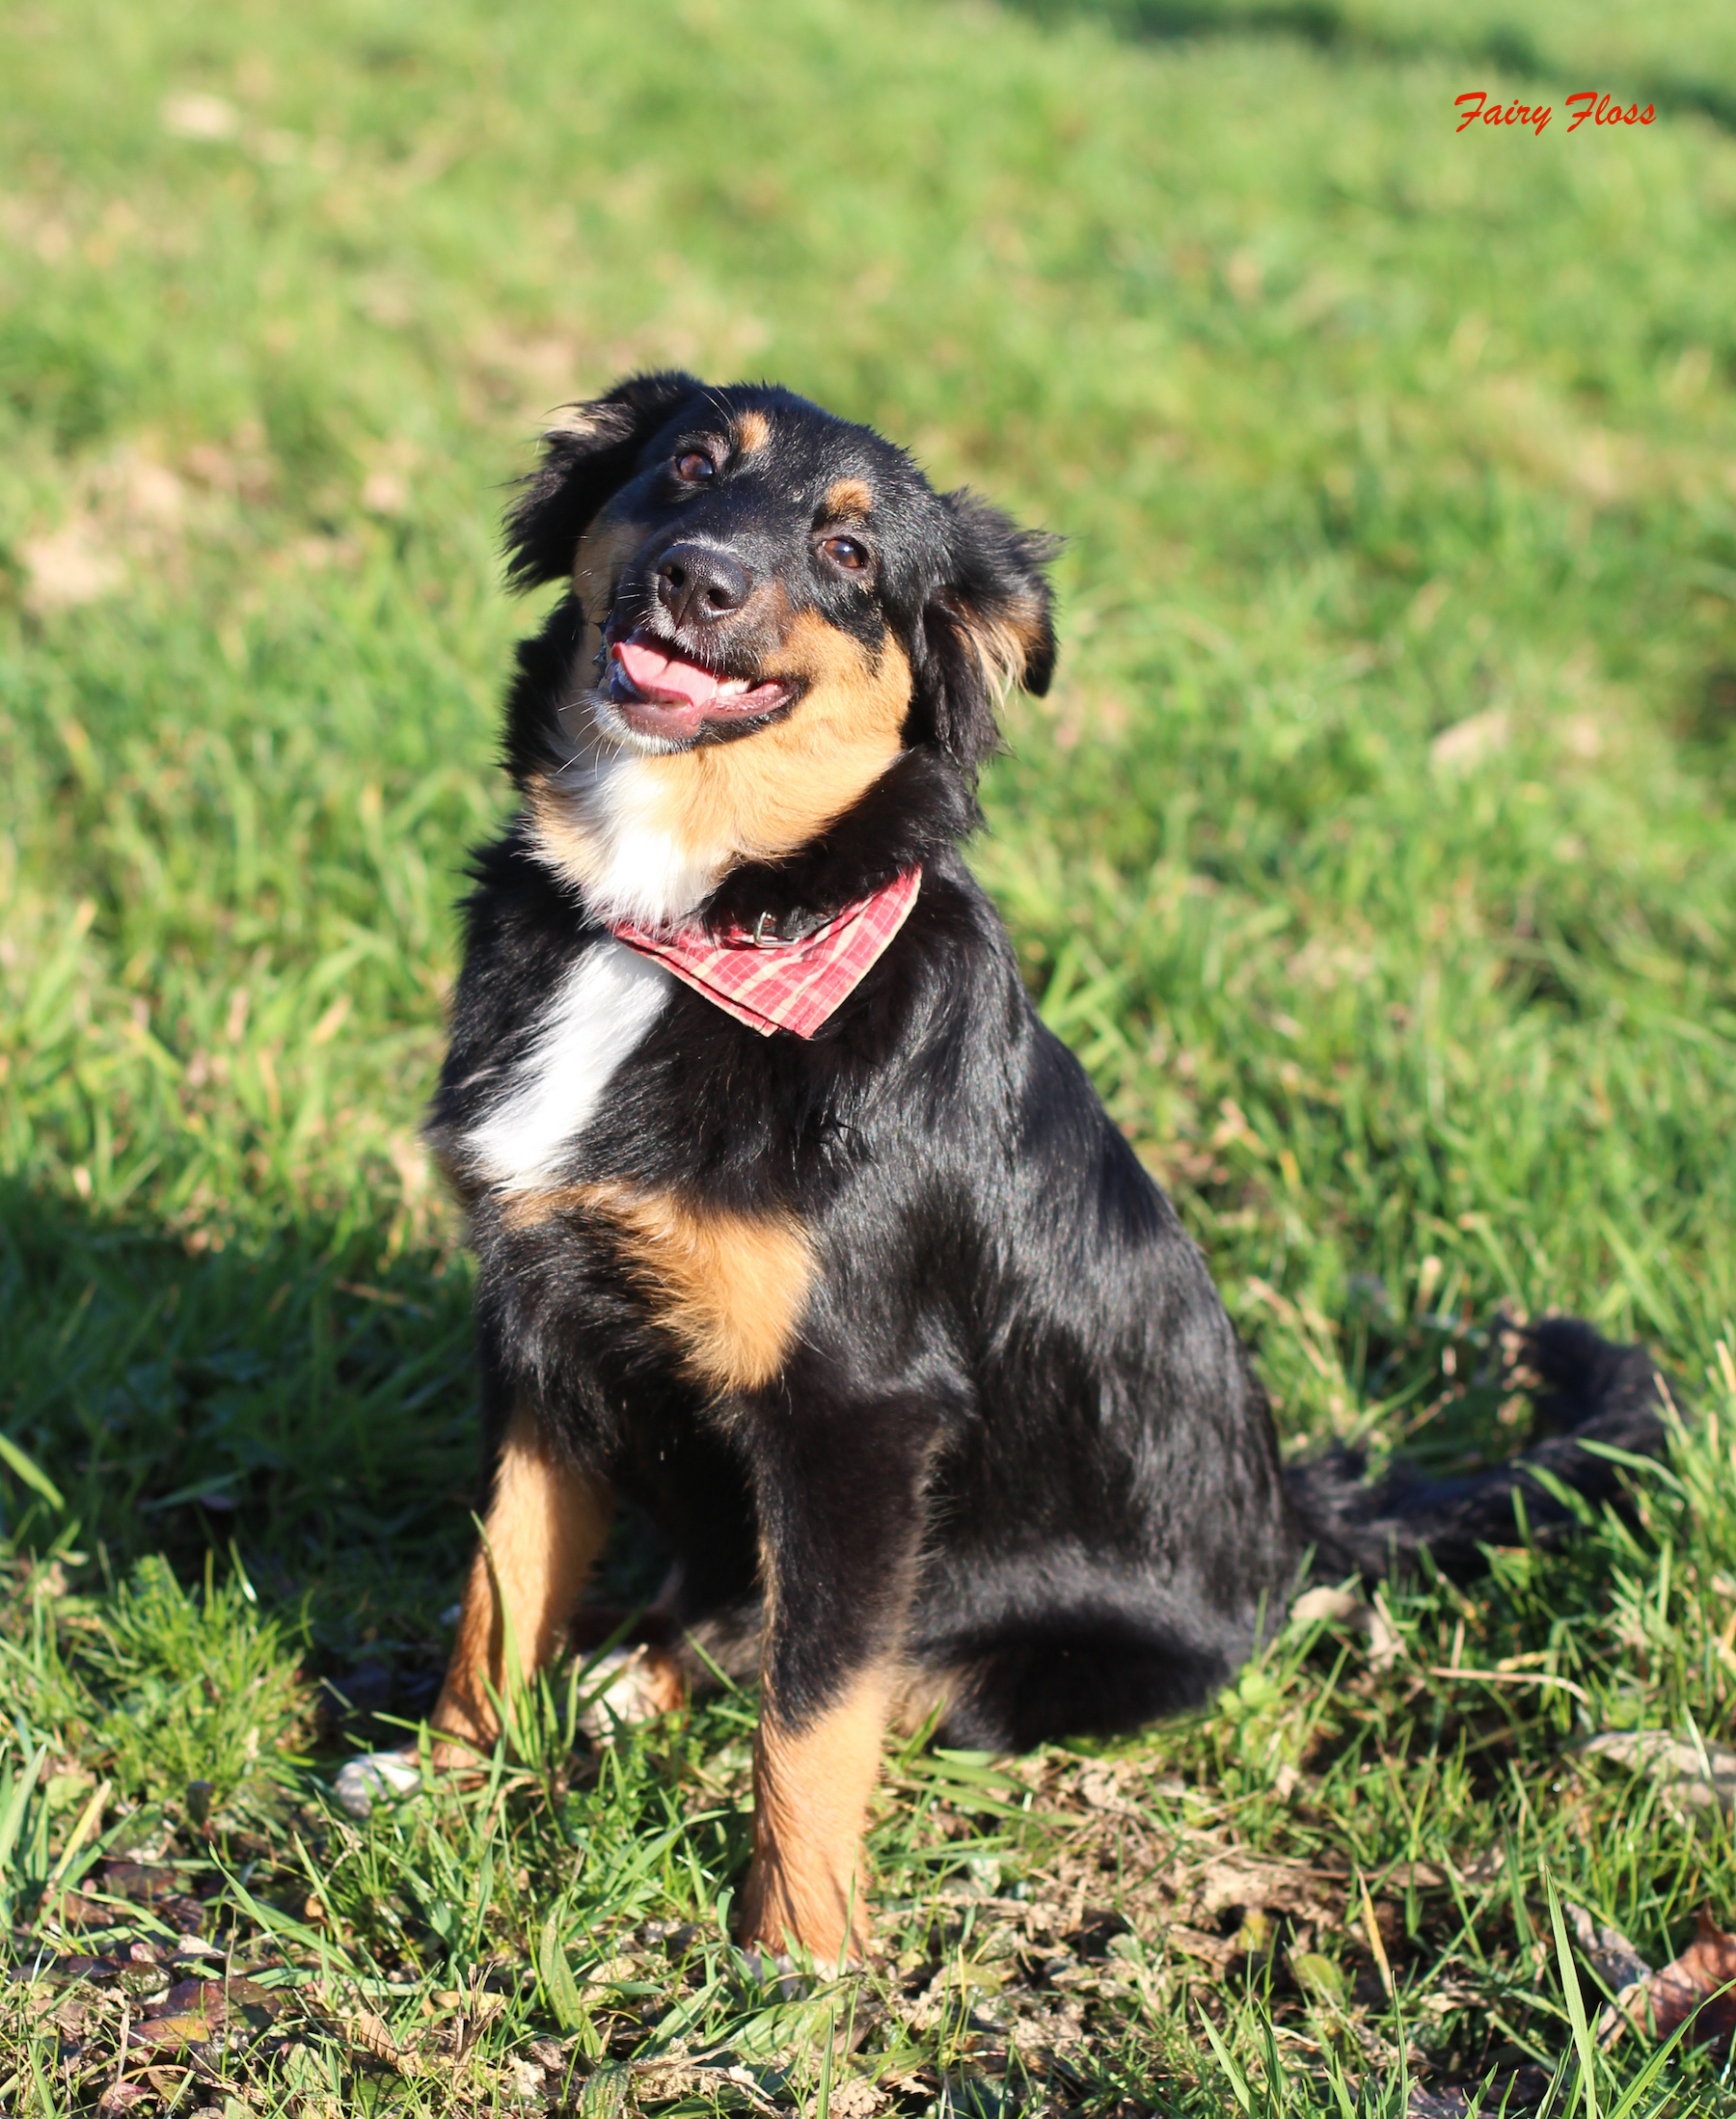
(771,605)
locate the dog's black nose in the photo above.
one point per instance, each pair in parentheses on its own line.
(698,582)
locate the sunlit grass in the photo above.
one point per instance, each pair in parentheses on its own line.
(1374,849)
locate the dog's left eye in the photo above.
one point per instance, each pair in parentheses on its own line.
(694,467)
(846,553)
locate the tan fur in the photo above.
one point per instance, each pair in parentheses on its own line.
(773,792)
(751,431)
(603,552)
(582,421)
(811,1787)
(544,1530)
(921,1696)
(765,795)
(730,1287)
(847,497)
(1004,644)
(661,1681)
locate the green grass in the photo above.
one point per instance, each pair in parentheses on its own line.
(1375,851)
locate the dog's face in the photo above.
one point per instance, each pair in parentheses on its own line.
(772,605)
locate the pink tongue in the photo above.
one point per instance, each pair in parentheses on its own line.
(664,677)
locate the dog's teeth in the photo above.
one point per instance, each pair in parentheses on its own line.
(729,687)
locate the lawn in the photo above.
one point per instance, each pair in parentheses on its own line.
(1374,849)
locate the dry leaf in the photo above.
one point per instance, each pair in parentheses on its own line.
(1661,2002)
(1323,1604)
(1609,1952)
(1215,1950)
(371,2033)
(122,2097)
(193,2015)
(1099,1788)
(69,567)
(1231,1879)
(1341,1607)
(1695,1777)
(1466,744)
(1705,1966)
(193,115)
(1386,1645)
(857,2099)
(1420,1876)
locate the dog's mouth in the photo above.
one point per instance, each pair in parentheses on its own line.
(657,692)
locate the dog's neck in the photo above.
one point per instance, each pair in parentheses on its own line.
(612,833)
(607,831)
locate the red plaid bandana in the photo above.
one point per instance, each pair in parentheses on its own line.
(782,985)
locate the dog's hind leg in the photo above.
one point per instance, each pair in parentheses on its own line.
(1080,1673)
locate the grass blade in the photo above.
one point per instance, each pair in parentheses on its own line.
(1575,2005)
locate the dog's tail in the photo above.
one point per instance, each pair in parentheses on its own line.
(1584,1387)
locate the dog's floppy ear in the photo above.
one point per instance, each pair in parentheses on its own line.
(582,463)
(987,627)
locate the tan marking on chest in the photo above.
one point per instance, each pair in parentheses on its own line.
(730,1287)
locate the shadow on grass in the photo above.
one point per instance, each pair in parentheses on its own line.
(281,1404)
(278,1404)
(1507,46)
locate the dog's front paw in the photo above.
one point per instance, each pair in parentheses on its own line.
(374,1773)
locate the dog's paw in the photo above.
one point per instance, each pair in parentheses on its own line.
(374,1773)
(630,1685)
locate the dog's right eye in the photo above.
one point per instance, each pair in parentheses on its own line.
(694,467)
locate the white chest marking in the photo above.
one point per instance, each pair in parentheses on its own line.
(605,1005)
(638,867)
(649,874)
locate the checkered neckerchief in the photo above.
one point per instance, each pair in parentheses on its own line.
(782,985)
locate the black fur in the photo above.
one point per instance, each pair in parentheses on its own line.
(1016,1444)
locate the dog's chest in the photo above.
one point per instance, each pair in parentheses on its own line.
(727,1286)
(599,1015)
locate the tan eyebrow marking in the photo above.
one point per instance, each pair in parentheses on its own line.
(847,497)
(751,430)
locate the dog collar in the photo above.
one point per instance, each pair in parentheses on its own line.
(773,985)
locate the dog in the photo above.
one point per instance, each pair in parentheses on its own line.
(795,1226)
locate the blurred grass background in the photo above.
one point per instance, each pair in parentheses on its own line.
(1374,847)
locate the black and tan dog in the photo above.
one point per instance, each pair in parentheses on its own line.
(880,1319)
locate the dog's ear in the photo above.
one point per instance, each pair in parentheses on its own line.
(987,627)
(583,462)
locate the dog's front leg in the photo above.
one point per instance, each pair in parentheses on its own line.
(840,1517)
(544,1530)
(812,1777)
